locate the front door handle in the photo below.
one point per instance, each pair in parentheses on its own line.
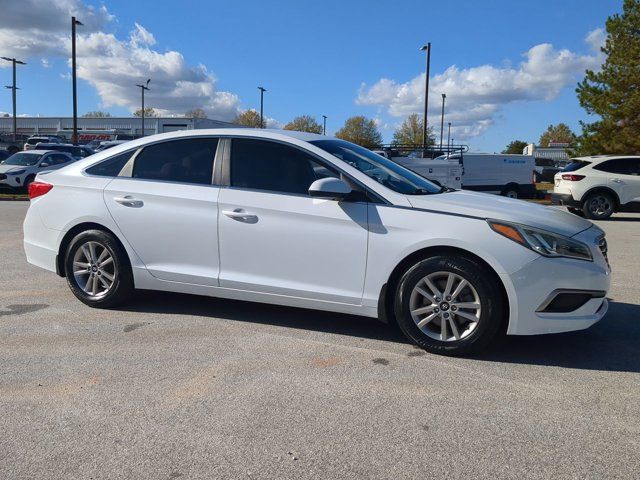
(617,180)
(241,215)
(129,201)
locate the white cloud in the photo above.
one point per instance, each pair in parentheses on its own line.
(475,95)
(35,28)
(44,62)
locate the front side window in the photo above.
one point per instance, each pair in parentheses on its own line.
(264,165)
(378,168)
(185,161)
(23,159)
(111,167)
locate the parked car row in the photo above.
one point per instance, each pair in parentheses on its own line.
(20,169)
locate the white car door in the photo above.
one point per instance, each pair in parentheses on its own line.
(167,209)
(623,177)
(275,238)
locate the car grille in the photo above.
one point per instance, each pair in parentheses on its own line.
(602,245)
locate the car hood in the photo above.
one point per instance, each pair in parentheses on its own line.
(10,168)
(462,202)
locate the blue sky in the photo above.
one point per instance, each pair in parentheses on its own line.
(314,57)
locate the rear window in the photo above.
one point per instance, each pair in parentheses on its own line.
(575,165)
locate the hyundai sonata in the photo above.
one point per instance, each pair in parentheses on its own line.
(311,221)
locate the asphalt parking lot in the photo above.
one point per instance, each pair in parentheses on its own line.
(178,386)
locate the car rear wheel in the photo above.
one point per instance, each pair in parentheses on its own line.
(598,206)
(98,270)
(449,305)
(510,192)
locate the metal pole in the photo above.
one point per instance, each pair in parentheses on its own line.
(74,138)
(262,90)
(142,133)
(427,47)
(449,138)
(14,94)
(444,95)
(324,124)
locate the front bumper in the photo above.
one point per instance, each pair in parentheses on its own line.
(531,288)
(564,199)
(11,180)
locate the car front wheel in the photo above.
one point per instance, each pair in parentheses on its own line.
(449,305)
(98,270)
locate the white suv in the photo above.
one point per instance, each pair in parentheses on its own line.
(599,186)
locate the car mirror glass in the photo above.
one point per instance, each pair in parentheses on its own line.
(330,188)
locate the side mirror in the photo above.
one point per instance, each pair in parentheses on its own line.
(44,164)
(329,188)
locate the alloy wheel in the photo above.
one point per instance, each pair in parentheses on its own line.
(94,269)
(445,306)
(600,205)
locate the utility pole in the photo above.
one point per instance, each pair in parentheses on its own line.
(13,88)
(74,22)
(142,89)
(426,48)
(444,95)
(449,138)
(262,90)
(324,124)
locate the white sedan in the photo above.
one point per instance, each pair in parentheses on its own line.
(311,221)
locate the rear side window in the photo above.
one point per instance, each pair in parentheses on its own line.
(263,165)
(622,166)
(111,167)
(185,161)
(575,165)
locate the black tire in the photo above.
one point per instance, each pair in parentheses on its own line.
(576,211)
(122,286)
(511,192)
(598,206)
(491,316)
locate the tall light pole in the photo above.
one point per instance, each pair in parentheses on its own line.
(449,138)
(426,48)
(74,22)
(444,95)
(324,124)
(13,88)
(143,87)
(262,90)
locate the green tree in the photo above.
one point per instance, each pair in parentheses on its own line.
(560,133)
(148,112)
(248,118)
(411,133)
(195,113)
(360,130)
(97,114)
(516,146)
(613,93)
(304,123)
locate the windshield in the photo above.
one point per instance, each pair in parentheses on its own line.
(23,159)
(380,169)
(575,165)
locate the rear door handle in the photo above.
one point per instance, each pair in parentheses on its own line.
(129,201)
(240,214)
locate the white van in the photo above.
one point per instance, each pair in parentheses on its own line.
(502,174)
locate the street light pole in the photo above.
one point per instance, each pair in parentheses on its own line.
(142,89)
(74,22)
(324,124)
(449,138)
(13,88)
(426,47)
(262,90)
(444,95)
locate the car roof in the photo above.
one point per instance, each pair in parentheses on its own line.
(602,158)
(41,151)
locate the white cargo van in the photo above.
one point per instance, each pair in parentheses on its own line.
(508,175)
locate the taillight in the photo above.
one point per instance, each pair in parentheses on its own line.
(37,189)
(572,177)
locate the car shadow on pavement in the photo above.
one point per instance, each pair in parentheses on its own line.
(261,313)
(611,345)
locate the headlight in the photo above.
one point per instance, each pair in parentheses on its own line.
(542,242)
(16,172)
